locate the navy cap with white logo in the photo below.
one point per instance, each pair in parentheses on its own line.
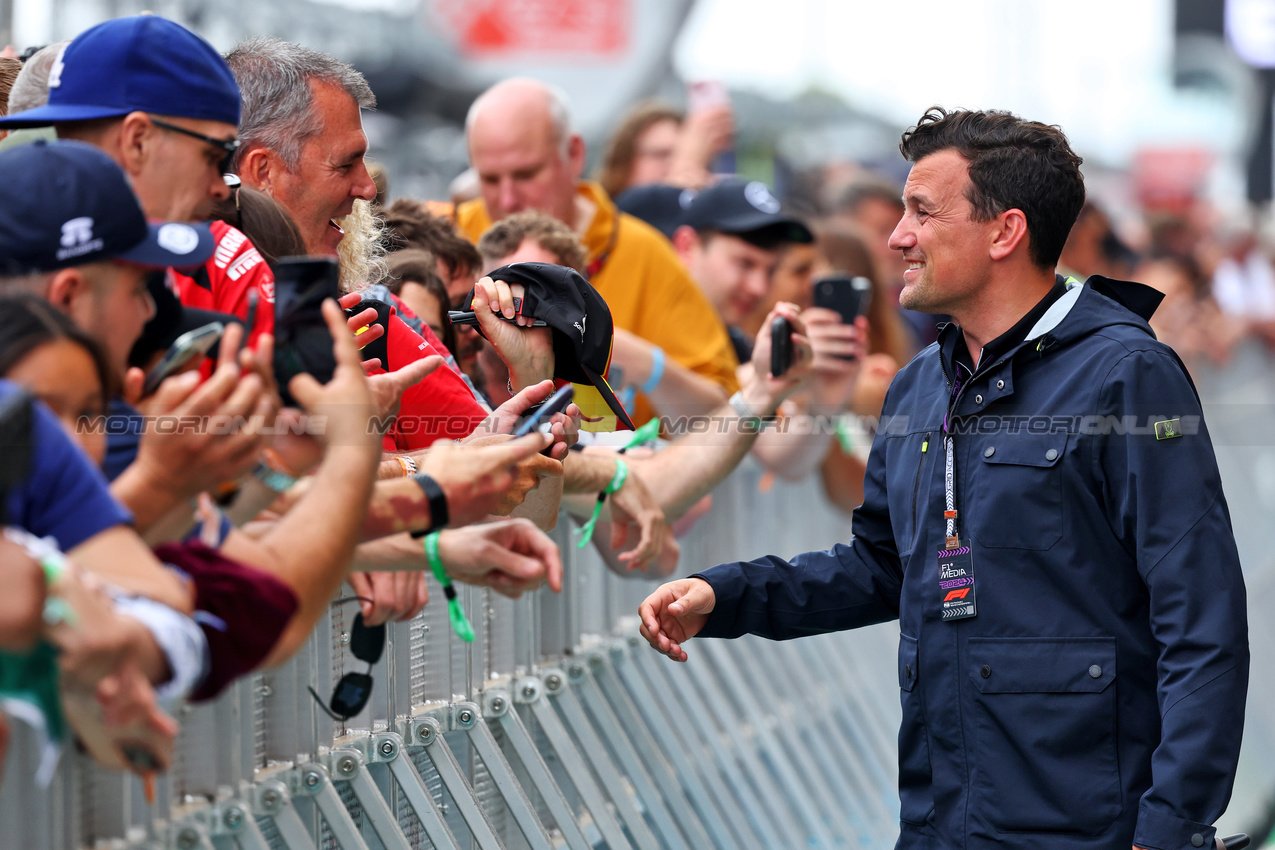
(65,204)
(747,209)
(142,63)
(659,205)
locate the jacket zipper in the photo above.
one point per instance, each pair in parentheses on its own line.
(916,482)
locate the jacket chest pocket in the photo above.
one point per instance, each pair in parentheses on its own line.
(1044,720)
(1015,492)
(908,470)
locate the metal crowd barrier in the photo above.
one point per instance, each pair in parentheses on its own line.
(559,728)
(556,728)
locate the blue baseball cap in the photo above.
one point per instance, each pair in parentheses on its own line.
(65,204)
(139,64)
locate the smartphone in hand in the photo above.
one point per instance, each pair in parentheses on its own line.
(556,404)
(780,346)
(184,349)
(846,294)
(302,340)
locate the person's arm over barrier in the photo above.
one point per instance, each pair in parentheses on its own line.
(314,553)
(1163,496)
(680,474)
(510,556)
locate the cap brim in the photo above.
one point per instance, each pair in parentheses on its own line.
(42,116)
(175,244)
(604,390)
(788,229)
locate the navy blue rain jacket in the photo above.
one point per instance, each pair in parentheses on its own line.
(1097,698)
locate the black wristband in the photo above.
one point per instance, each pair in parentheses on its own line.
(438,516)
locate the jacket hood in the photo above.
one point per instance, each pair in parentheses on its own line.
(1099,302)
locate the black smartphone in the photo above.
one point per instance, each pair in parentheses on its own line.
(302,342)
(556,404)
(1235,842)
(184,349)
(780,346)
(848,295)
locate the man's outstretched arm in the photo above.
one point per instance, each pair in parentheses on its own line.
(848,586)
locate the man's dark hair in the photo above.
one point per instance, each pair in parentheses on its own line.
(409,225)
(1013,164)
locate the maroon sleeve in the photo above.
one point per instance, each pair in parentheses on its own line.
(241,610)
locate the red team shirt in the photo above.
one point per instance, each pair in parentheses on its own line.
(236,279)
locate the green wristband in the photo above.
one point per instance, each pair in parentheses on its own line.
(617,481)
(455,613)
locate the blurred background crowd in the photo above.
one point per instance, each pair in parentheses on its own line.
(760,145)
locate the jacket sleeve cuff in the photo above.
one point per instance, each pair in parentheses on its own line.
(726,584)
(1162,831)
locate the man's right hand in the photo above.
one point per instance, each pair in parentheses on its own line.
(675,613)
(478,479)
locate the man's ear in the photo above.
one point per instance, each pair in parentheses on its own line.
(132,143)
(67,288)
(1008,234)
(259,169)
(575,155)
(685,242)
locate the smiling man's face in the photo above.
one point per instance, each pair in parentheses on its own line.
(944,247)
(331,175)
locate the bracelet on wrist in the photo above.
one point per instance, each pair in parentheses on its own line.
(657,371)
(742,408)
(44,551)
(438,513)
(455,613)
(408,463)
(273,472)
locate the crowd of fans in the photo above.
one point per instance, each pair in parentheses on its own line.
(163,537)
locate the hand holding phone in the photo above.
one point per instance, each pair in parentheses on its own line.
(848,295)
(556,404)
(780,346)
(184,349)
(303,342)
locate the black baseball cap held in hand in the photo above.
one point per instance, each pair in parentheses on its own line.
(582,332)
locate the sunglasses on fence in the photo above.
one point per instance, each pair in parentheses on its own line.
(353,690)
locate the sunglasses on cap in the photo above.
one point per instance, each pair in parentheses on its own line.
(229,146)
(353,690)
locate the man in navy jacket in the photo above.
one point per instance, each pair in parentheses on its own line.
(1043,514)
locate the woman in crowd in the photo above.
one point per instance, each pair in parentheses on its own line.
(656,143)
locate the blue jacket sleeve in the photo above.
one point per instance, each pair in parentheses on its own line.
(1164,499)
(65,496)
(843,588)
